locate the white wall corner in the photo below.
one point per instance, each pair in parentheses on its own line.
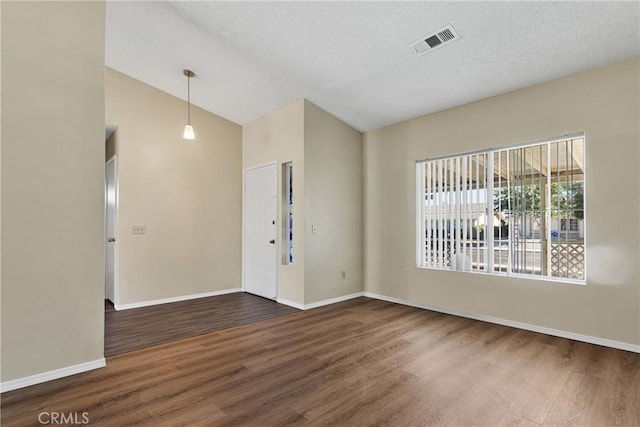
(52,375)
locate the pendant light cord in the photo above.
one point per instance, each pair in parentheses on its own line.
(188,129)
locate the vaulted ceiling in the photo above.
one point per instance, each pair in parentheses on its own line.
(353,59)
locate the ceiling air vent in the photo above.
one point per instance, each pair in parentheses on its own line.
(434,40)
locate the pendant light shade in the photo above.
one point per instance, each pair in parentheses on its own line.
(188,133)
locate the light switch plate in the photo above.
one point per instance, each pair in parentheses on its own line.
(314,229)
(138,229)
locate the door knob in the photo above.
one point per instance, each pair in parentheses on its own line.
(273,241)
(111,239)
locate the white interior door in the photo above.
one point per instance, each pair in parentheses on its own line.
(110,230)
(260,210)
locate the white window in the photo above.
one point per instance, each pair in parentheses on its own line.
(514,211)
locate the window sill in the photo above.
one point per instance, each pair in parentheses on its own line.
(581,282)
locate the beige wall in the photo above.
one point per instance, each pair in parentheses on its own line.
(52,185)
(327,167)
(186,193)
(604,103)
(333,203)
(279,136)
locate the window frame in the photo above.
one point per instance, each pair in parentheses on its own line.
(421,192)
(287,220)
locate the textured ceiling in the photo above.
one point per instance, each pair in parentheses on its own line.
(353,58)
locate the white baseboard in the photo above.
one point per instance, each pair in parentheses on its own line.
(174,299)
(319,303)
(526,326)
(332,300)
(51,375)
(290,303)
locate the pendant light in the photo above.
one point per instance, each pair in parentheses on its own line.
(188,129)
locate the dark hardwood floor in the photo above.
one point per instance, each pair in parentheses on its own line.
(360,362)
(129,330)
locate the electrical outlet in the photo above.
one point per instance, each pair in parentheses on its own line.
(139,229)
(344,274)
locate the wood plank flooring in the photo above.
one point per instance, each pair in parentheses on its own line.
(357,363)
(129,330)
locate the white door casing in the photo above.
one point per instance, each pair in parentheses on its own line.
(260,206)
